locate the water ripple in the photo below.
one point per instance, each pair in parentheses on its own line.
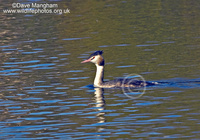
(40,66)
(75,38)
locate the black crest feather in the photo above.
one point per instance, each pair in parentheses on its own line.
(96,53)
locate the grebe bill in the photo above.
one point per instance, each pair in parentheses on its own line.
(98,60)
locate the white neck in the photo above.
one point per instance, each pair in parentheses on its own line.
(98,81)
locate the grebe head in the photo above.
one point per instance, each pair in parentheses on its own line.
(95,58)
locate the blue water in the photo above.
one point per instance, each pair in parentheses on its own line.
(37,102)
(46,93)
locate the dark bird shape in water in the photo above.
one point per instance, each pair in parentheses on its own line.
(98,60)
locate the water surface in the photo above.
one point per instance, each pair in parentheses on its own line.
(47,94)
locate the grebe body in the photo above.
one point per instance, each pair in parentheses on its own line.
(99,61)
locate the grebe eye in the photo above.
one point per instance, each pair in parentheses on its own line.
(92,57)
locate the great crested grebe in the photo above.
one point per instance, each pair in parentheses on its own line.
(98,60)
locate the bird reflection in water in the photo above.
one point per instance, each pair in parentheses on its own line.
(100,104)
